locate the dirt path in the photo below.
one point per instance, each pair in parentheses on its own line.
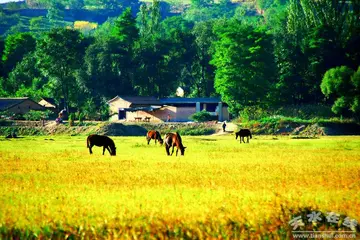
(230,129)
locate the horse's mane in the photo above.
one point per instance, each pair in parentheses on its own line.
(178,135)
(158,135)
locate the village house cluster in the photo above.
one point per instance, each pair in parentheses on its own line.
(132,108)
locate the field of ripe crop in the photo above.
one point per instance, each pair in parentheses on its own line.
(53,188)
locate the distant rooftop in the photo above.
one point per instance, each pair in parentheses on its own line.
(138,100)
(179,100)
(49,100)
(6,103)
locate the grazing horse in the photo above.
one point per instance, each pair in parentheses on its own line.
(243,133)
(152,134)
(172,140)
(101,141)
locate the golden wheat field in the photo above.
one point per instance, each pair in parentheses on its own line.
(51,187)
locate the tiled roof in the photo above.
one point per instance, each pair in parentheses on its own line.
(50,100)
(179,100)
(6,103)
(138,100)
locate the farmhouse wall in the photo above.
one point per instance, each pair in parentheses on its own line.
(225,114)
(155,116)
(177,114)
(183,113)
(118,103)
(25,107)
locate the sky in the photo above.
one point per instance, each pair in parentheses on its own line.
(5,1)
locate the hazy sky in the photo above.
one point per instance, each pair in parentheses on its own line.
(5,1)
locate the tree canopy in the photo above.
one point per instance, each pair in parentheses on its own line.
(268,54)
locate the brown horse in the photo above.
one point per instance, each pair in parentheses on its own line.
(101,141)
(152,134)
(172,140)
(243,133)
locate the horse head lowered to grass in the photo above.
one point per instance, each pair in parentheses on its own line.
(101,141)
(152,134)
(172,140)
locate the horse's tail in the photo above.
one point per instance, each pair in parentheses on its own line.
(250,134)
(88,142)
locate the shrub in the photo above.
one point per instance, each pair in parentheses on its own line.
(81,118)
(253,113)
(197,131)
(202,116)
(33,115)
(71,119)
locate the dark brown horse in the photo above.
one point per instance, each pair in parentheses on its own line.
(101,141)
(172,140)
(152,134)
(243,133)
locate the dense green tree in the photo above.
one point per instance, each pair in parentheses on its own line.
(125,30)
(55,11)
(305,50)
(36,24)
(133,4)
(201,3)
(23,74)
(16,47)
(244,63)
(107,69)
(152,55)
(201,69)
(2,46)
(59,55)
(215,11)
(182,53)
(276,57)
(143,20)
(154,75)
(155,18)
(344,84)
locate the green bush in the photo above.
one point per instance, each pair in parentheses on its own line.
(253,113)
(4,122)
(202,116)
(292,113)
(81,118)
(197,131)
(71,119)
(33,115)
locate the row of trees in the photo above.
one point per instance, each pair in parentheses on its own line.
(270,60)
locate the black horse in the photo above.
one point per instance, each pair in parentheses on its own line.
(101,141)
(243,133)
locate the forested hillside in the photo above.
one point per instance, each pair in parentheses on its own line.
(255,55)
